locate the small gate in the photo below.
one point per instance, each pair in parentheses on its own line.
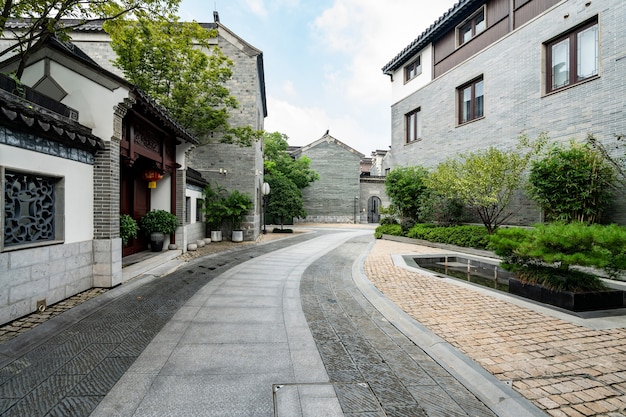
(373,210)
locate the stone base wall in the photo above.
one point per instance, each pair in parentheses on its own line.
(50,273)
(193,233)
(328,219)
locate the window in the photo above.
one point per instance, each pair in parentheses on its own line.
(413,69)
(472,27)
(30,209)
(187,210)
(573,57)
(413,125)
(199,204)
(471,100)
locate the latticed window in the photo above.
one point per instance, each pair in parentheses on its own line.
(29,208)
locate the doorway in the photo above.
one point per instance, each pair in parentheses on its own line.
(373,210)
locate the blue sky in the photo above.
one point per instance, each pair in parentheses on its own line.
(323,60)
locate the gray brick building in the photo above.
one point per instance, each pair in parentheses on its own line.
(488,71)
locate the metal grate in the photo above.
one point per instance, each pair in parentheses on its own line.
(29,202)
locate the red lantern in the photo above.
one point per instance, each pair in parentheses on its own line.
(152,176)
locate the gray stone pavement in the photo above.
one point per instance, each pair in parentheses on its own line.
(277,329)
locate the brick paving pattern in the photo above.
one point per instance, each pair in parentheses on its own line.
(565,369)
(22,325)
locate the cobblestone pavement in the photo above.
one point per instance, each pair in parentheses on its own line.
(376,370)
(24,324)
(566,369)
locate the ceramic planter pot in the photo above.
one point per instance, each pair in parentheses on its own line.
(156,241)
(237,236)
(216,236)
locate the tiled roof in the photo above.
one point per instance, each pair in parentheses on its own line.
(440,26)
(27,116)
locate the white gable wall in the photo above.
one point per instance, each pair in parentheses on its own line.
(401,89)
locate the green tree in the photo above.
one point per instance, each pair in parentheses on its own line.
(573,183)
(48,18)
(406,188)
(285,199)
(485,181)
(278,160)
(176,64)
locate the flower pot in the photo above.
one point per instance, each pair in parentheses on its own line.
(216,236)
(156,241)
(237,236)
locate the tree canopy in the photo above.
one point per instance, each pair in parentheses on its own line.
(485,180)
(277,160)
(286,177)
(176,64)
(43,19)
(406,187)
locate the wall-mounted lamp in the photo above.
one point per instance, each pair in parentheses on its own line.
(221,171)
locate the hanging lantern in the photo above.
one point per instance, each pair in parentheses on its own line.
(152,175)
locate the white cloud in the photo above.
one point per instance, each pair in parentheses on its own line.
(304,125)
(370,35)
(288,88)
(257,7)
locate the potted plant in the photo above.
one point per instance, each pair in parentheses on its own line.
(237,205)
(214,210)
(156,224)
(128,228)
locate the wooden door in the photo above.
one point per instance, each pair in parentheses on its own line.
(134,200)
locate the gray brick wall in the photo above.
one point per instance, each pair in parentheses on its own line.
(514,102)
(331,198)
(50,273)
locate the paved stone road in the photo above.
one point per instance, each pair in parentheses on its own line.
(372,369)
(376,370)
(67,372)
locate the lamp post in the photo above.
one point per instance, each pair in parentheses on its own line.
(265,189)
(356,199)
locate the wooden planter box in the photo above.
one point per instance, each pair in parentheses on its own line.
(585,301)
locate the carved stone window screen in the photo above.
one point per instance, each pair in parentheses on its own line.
(29,208)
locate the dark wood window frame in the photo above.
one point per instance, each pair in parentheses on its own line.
(476,102)
(413,69)
(413,125)
(571,37)
(472,25)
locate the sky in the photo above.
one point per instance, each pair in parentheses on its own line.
(323,60)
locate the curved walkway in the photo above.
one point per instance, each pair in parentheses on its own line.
(278,329)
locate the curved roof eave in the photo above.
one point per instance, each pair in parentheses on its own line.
(440,26)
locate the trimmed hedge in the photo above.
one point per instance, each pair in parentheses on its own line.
(465,236)
(388,229)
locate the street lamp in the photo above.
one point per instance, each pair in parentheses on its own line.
(265,189)
(356,199)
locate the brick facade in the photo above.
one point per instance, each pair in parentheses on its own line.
(515,101)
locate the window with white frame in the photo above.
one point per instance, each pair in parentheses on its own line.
(32,205)
(413,121)
(473,26)
(471,100)
(572,57)
(413,69)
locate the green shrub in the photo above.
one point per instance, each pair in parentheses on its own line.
(388,229)
(466,236)
(572,183)
(158,221)
(548,251)
(128,228)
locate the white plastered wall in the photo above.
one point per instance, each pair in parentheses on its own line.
(94,102)
(400,89)
(78,189)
